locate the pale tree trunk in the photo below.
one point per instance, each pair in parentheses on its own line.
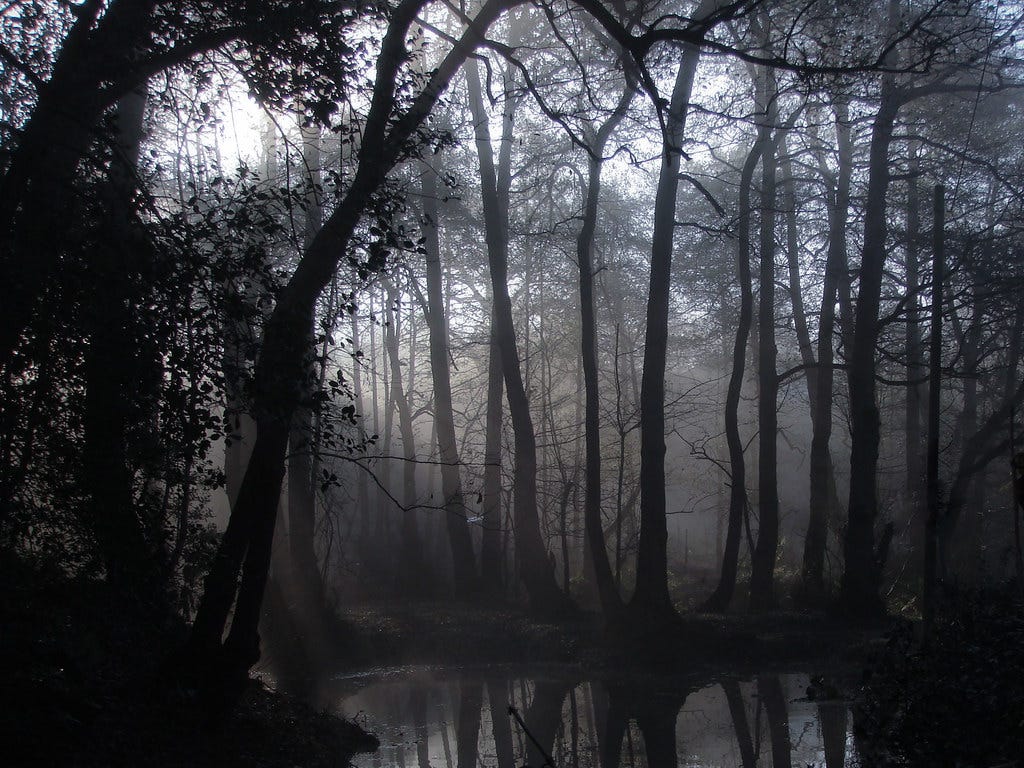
(413,570)
(463,561)
(531,557)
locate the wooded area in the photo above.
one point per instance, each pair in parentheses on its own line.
(635,308)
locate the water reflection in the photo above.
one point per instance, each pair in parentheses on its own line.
(459,719)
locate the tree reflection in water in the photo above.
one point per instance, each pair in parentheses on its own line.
(459,719)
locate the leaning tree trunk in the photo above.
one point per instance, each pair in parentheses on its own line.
(301,479)
(280,365)
(92,72)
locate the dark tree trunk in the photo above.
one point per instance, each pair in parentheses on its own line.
(463,561)
(823,496)
(738,714)
(500,723)
(651,603)
(467,730)
(531,556)
(611,603)
(39,178)
(544,718)
(769,690)
(491,553)
(762,564)
(722,596)
(862,575)
(832,718)
(301,439)
(280,365)
(914,445)
(931,542)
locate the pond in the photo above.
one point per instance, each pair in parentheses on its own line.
(444,717)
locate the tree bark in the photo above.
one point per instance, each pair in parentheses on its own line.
(762,565)
(823,496)
(862,574)
(414,576)
(651,603)
(914,445)
(934,405)
(531,556)
(463,561)
(111,368)
(723,594)
(611,603)
(279,368)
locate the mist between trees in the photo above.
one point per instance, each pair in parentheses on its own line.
(619,306)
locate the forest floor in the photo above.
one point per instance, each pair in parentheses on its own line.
(82,682)
(81,686)
(395,634)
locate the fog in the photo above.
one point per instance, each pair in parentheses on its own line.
(650,370)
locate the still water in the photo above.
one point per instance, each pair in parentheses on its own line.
(448,718)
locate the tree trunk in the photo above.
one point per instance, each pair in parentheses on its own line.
(722,596)
(762,566)
(110,368)
(934,405)
(413,574)
(823,495)
(769,690)
(39,178)
(463,560)
(913,444)
(301,444)
(467,730)
(280,364)
(491,552)
(611,603)
(738,715)
(862,575)
(531,556)
(651,603)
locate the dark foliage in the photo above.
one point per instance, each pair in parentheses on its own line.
(957,699)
